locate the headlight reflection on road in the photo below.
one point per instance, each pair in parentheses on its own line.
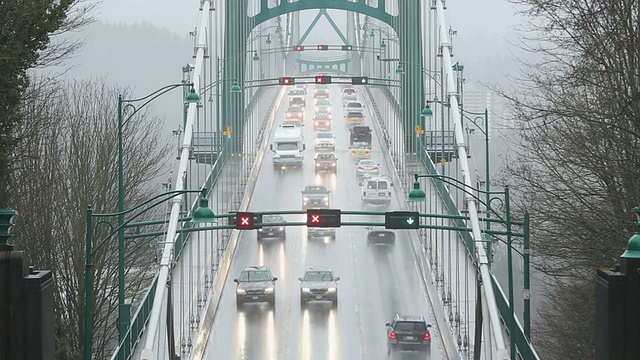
(242,335)
(333,336)
(282,262)
(271,336)
(305,349)
(261,254)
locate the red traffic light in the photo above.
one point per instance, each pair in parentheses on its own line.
(287,81)
(299,48)
(322,47)
(246,221)
(323,79)
(323,217)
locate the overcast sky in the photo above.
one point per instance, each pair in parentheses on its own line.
(179,16)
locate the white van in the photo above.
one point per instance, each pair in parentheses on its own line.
(376,190)
(288,145)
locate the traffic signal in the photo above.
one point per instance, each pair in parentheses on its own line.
(322,47)
(247,220)
(347,47)
(323,217)
(299,48)
(322,79)
(7,221)
(401,220)
(287,81)
(360,80)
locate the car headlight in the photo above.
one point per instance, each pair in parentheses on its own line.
(305,199)
(332,289)
(281,228)
(318,165)
(326,198)
(306,289)
(269,289)
(240,291)
(333,165)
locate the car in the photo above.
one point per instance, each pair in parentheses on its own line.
(297,97)
(354,118)
(294,115)
(324,140)
(377,235)
(360,133)
(322,102)
(315,197)
(367,167)
(408,331)
(349,94)
(360,150)
(319,284)
(353,106)
(376,190)
(255,284)
(326,162)
(321,92)
(272,231)
(302,87)
(324,110)
(325,233)
(322,121)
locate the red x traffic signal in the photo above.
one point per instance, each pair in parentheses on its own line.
(322,79)
(323,218)
(246,221)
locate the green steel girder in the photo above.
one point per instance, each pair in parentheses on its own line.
(235,59)
(412,87)
(340,67)
(323,12)
(358,6)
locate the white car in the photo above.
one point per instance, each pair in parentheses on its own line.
(349,94)
(354,106)
(367,167)
(376,190)
(325,140)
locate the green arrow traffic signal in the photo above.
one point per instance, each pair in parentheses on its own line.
(401,220)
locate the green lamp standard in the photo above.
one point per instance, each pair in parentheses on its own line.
(202,214)
(123,104)
(417,194)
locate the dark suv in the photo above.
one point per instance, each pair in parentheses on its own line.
(360,133)
(272,231)
(319,283)
(408,332)
(256,284)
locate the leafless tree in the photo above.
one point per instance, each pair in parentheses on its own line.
(576,161)
(67,161)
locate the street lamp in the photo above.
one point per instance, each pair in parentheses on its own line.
(383,45)
(256,57)
(202,214)
(192,97)
(417,195)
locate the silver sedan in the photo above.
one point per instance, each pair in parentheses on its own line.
(367,167)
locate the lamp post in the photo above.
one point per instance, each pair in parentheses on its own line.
(417,194)
(202,214)
(192,97)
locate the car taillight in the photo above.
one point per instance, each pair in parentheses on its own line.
(361,117)
(393,335)
(369,132)
(360,167)
(375,168)
(353,132)
(427,337)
